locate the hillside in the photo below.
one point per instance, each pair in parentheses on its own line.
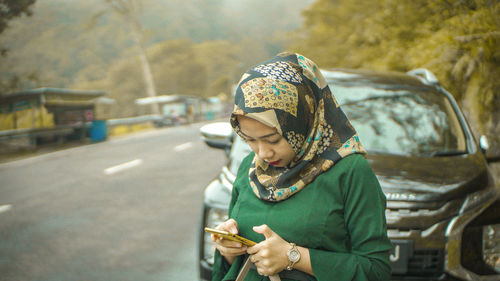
(66,43)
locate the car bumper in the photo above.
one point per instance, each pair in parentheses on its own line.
(457,234)
(205,271)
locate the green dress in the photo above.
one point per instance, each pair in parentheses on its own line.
(340,217)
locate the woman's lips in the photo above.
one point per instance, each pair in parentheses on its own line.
(274,163)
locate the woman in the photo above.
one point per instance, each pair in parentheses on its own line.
(306,194)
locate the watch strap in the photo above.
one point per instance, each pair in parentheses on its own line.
(290,262)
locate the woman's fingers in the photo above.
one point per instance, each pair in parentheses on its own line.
(231,251)
(269,256)
(230,225)
(228,247)
(254,249)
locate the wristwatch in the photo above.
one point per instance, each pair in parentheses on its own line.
(293,256)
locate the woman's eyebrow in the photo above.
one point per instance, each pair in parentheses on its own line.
(261,137)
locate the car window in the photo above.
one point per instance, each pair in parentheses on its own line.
(402,121)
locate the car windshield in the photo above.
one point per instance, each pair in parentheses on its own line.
(402,121)
(419,122)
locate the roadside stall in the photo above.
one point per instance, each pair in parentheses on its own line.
(47,114)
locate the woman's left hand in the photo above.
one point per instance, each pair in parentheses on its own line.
(269,256)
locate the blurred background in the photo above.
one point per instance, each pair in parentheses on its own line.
(199,48)
(94,70)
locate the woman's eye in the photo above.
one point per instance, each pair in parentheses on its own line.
(274,141)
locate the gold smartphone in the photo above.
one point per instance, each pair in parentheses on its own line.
(230,236)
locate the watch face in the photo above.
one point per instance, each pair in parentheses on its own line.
(294,255)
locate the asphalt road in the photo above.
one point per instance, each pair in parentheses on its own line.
(124,209)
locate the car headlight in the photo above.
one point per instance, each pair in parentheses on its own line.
(491,246)
(213,217)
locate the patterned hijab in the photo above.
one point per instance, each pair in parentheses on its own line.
(289,93)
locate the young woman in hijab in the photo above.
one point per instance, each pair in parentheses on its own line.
(306,193)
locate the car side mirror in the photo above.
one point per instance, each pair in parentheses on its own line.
(491,156)
(218,135)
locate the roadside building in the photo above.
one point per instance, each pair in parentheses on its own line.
(180,109)
(46,114)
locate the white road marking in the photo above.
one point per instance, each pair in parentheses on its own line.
(5,208)
(121,167)
(183,146)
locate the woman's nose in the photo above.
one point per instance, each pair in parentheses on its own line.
(265,152)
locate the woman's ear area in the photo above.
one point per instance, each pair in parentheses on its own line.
(237,120)
(238,117)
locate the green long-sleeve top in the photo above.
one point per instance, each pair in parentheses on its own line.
(339,217)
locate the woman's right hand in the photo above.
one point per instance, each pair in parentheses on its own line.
(229,249)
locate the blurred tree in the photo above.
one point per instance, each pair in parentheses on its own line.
(78,44)
(221,61)
(131,12)
(176,68)
(457,40)
(180,67)
(10,9)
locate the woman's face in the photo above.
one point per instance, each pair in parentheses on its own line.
(266,142)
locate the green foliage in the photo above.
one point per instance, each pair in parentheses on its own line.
(180,67)
(457,40)
(196,47)
(10,9)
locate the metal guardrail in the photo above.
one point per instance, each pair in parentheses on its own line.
(38,132)
(8,133)
(67,130)
(133,120)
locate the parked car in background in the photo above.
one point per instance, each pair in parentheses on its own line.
(443,207)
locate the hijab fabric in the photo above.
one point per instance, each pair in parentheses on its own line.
(289,93)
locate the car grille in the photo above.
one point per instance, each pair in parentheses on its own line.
(423,223)
(426,263)
(419,216)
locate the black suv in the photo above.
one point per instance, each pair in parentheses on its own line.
(443,207)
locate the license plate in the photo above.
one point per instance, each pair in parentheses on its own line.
(401,252)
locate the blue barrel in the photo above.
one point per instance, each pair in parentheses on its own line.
(209,115)
(98,131)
